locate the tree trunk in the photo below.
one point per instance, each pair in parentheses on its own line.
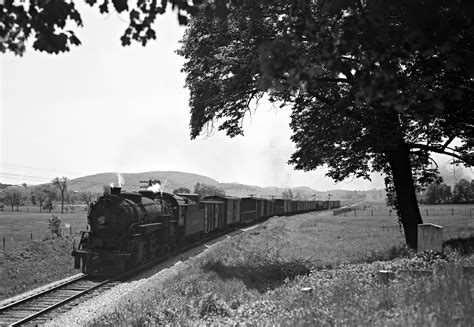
(62,202)
(399,160)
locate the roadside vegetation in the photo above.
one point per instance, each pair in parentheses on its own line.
(313,269)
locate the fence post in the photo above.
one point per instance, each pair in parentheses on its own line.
(427,212)
(31,236)
(452,212)
(4,244)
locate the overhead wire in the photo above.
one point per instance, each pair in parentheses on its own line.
(36,168)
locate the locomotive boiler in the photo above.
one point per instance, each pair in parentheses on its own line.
(127,229)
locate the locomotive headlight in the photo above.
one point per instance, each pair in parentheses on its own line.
(101,220)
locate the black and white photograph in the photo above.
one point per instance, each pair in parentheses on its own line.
(237,162)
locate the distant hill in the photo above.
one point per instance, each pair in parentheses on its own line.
(172,180)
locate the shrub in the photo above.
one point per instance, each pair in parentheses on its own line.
(55,225)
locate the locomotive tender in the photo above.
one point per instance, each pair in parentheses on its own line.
(129,229)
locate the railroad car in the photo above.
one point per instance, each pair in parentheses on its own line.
(231,209)
(252,209)
(129,229)
(279,207)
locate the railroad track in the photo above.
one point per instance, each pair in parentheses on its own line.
(30,309)
(35,308)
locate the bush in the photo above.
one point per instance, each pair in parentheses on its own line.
(55,225)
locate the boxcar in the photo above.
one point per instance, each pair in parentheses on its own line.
(279,206)
(261,205)
(231,208)
(248,210)
(213,215)
(193,220)
(270,211)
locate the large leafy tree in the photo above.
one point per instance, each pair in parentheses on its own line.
(437,193)
(374,85)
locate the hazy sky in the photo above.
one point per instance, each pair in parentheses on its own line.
(106,108)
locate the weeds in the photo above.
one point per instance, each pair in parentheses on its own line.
(462,245)
(257,270)
(211,306)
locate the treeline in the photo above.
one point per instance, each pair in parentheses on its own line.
(439,193)
(44,196)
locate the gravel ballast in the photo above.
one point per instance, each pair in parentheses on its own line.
(129,291)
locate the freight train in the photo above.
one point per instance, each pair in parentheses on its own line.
(130,229)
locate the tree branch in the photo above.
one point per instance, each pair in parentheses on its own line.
(445,145)
(442,151)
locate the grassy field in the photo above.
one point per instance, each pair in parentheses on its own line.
(32,257)
(257,277)
(18,228)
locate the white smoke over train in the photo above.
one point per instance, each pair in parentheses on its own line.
(157,186)
(121,180)
(154,188)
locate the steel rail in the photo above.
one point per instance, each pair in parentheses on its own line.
(41,293)
(58,304)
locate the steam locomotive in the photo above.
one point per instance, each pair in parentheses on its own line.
(129,229)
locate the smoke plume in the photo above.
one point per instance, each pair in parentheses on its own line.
(121,180)
(155,188)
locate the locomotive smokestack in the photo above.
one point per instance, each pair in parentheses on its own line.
(115,190)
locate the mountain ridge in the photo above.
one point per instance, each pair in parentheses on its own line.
(172,180)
